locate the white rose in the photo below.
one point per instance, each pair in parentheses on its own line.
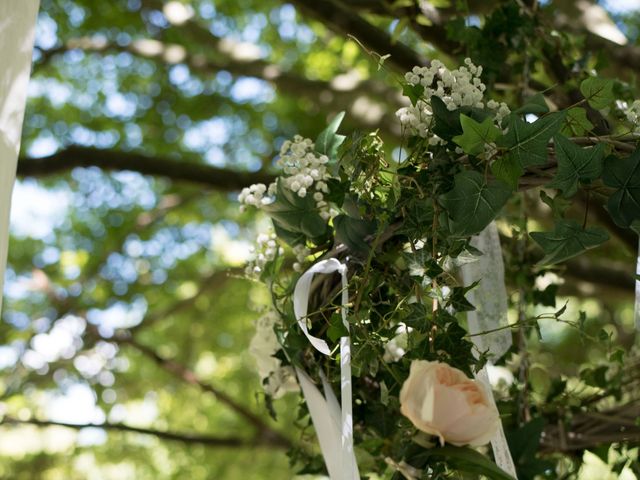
(443,401)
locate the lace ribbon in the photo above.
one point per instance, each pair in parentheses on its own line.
(490,315)
(334,425)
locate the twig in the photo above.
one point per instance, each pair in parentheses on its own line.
(188,438)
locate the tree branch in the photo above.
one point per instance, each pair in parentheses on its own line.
(343,20)
(175,169)
(264,431)
(188,438)
(344,90)
(211,282)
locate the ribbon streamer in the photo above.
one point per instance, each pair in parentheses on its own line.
(334,425)
(490,315)
(17,31)
(489,297)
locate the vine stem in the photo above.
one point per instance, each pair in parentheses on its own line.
(524,414)
(434,283)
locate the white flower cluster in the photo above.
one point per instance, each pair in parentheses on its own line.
(501,109)
(396,348)
(457,88)
(276,379)
(301,252)
(417,119)
(306,171)
(633,115)
(265,251)
(255,195)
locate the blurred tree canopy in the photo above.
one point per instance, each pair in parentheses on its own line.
(127,319)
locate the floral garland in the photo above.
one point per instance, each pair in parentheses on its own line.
(403,226)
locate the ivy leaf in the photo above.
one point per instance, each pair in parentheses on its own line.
(568,240)
(328,141)
(624,175)
(353,231)
(467,460)
(458,300)
(508,169)
(296,214)
(474,202)
(577,122)
(292,238)
(575,164)
(557,204)
(527,142)
(598,92)
(535,104)
(475,135)
(447,122)
(413,92)
(524,443)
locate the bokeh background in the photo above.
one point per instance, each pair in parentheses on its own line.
(125,305)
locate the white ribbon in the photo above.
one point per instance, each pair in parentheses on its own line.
(490,315)
(17,30)
(489,297)
(334,425)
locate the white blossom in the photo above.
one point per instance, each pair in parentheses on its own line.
(457,88)
(276,379)
(632,112)
(265,250)
(396,348)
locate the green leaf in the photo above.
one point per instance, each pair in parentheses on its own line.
(458,300)
(447,122)
(575,164)
(508,169)
(577,122)
(473,202)
(598,92)
(468,460)
(528,142)
(353,231)
(292,238)
(295,214)
(557,204)
(475,135)
(524,443)
(328,141)
(623,174)
(412,92)
(568,240)
(535,104)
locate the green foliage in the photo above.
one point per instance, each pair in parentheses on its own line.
(536,104)
(476,135)
(527,143)
(575,165)
(474,202)
(598,92)
(353,232)
(623,174)
(567,240)
(295,214)
(329,141)
(577,122)
(155,261)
